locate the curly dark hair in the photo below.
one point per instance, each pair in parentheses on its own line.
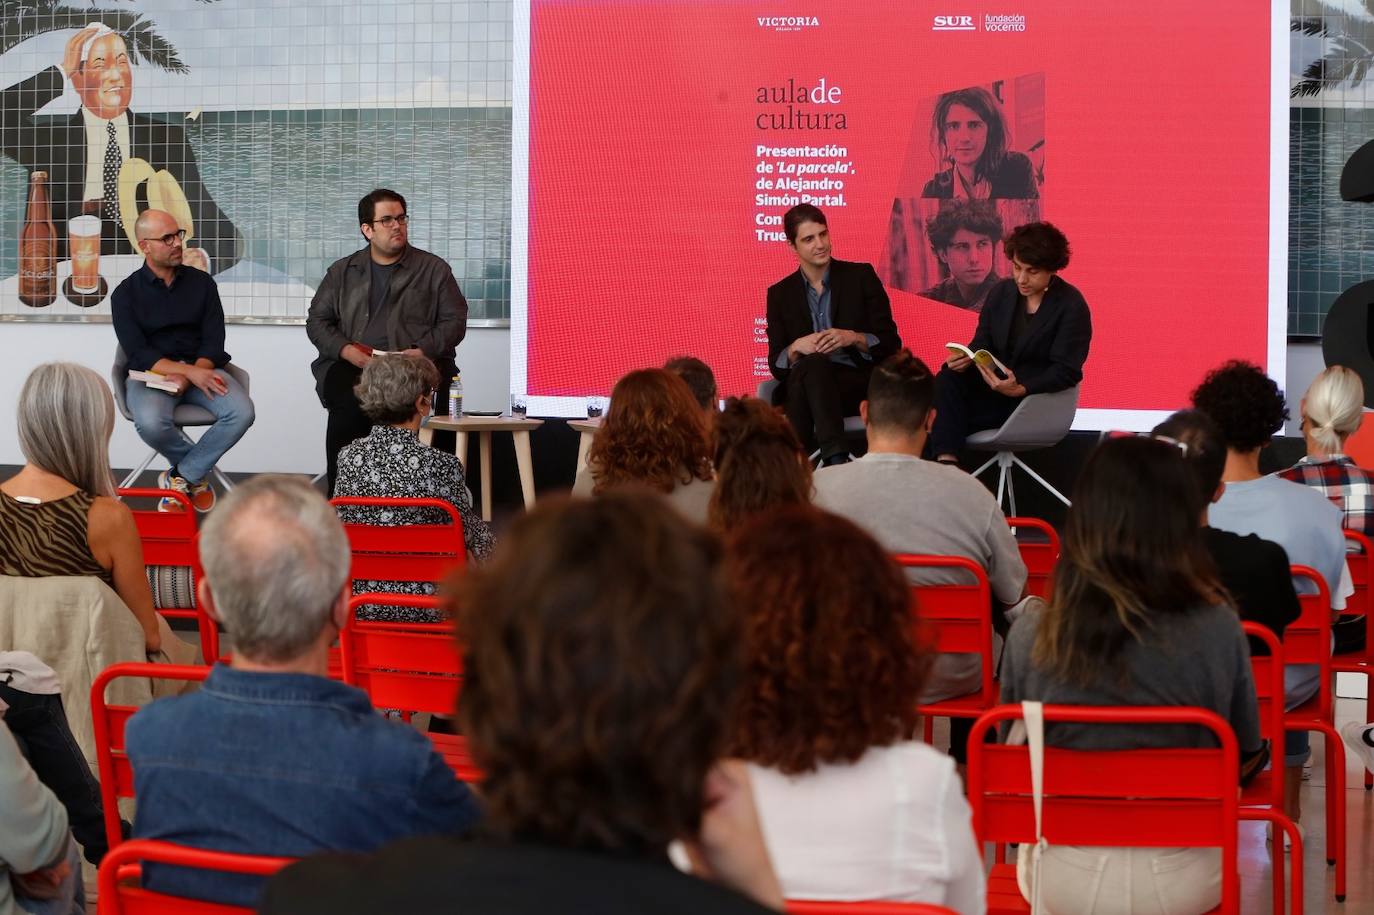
(832,664)
(759,463)
(977,216)
(1244,402)
(1040,245)
(654,434)
(601,663)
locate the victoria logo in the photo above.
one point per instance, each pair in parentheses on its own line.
(953,24)
(788,23)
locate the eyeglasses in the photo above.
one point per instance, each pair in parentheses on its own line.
(387,222)
(1181,446)
(178,237)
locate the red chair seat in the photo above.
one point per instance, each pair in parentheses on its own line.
(970,705)
(454,749)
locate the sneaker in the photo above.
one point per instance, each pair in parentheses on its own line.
(1354,734)
(202,496)
(167,480)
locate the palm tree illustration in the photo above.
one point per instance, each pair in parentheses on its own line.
(1349,48)
(21,20)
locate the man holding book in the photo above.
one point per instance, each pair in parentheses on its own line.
(169,320)
(387,297)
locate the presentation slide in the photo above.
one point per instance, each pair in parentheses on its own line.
(658,144)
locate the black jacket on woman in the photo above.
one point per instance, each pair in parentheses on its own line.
(1050,354)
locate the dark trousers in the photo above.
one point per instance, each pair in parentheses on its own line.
(347,421)
(965,404)
(818,395)
(39,724)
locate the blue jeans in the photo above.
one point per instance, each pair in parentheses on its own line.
(152,410)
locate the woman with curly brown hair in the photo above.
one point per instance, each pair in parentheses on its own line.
(654,435)
(759,463)
(853,805)
(601,663)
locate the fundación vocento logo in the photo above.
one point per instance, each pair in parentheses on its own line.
(1004,23)
(788,23)
(953,24)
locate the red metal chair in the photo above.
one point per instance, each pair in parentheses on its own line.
(809,907)
(170,539)
(116,775)
(1263,797)
(415,667)
(121,869)
(1308,641)
(1361,565)
(407,552)
(1039,556)
(955,618)
(1115,798)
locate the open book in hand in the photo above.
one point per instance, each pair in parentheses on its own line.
(982,357)
(156,380)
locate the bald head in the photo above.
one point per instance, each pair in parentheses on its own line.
(158,239)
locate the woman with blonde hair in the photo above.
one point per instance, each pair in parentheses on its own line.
(59,514)
(1331,412)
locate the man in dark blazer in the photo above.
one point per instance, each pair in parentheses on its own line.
(83,153)
(1038,325)
(829,323)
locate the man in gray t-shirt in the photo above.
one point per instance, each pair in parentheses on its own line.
(915,506)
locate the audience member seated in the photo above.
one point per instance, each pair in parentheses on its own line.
(854,806)
(1136,617)
(1035,323)
(1254,571)
(390,462)
(59,515)
(1332,411)
(759,463)
(603,659)
(40,872)
(916,506)
(31,704)
(654,435)
(270,756)
(700,380)
(1249,409)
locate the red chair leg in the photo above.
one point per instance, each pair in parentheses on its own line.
(1369,716)
(929,724)
(1335,805)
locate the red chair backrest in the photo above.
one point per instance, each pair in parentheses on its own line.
(1039,556)
(1268,677)
(408,552)
(809,907)
(415,667)
(1307,640)
(116,775)
(120,893)
(172,539)
(1361,571)
(955,618)
(1134,798)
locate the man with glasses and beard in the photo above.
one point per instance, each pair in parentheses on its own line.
(388,297)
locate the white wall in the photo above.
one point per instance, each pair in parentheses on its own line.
(288,435)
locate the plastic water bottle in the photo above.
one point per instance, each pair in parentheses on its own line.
(455,397)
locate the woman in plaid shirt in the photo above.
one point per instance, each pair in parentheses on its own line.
(1331,412)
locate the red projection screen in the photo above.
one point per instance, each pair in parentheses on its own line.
(657,145)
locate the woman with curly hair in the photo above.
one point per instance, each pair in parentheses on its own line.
(1249,408)
(654,435)
(853,805)
(759,463)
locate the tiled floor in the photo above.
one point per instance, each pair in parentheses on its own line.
(1256,886)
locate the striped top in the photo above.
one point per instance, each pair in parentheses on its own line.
(48,539)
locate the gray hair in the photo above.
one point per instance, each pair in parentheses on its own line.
(66,415)
(276,558)
(391,384)
(1334,406)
